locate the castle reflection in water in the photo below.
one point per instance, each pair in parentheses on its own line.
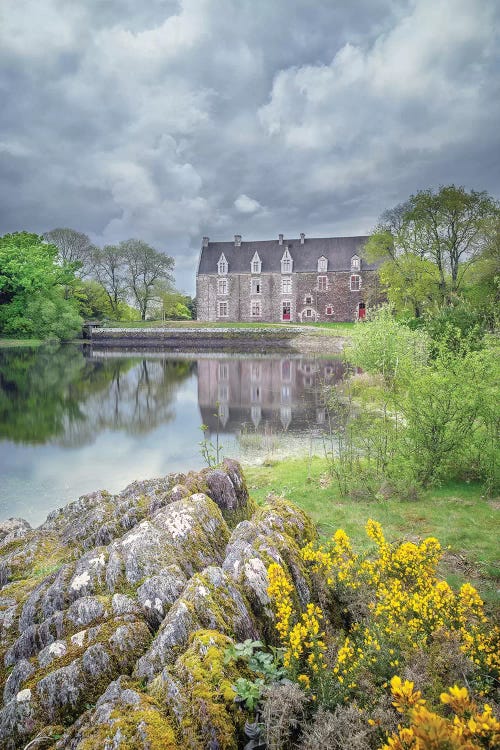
(277,393)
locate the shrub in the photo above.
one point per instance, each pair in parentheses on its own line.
(467,727)
(395,617)
(383,345)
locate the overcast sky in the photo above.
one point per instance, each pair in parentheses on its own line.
(167,120)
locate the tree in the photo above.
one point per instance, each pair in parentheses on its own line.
(73,247)
(173,305)
(31,289)
(145,267)
(108,268)
(411,283)
(438,234)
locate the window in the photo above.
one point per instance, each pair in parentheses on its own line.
(355,263)
(221,286)
(223,392)
(222,310)
(285,393)
(322,283)
(255,310)
(308,300)
(255,374)
(286,286)
(286,262)
(322,264)
(286,314)
(222,266)
(309,312)
(256,264)
(255,286)
(255,393)
(329,310)
(223,371)
(355,283)
(320,416)
(286,372)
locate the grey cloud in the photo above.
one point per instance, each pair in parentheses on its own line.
(169,120)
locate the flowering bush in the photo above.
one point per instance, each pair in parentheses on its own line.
(407,611)
(468,727)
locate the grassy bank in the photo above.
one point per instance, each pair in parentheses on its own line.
(465,522)
(11,343)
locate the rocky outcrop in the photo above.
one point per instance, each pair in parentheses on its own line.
(116,612)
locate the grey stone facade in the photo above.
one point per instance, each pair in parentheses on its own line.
(250,281)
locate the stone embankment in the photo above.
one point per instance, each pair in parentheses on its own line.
(299,339)
(115,613)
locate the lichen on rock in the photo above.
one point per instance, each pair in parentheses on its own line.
(150,583)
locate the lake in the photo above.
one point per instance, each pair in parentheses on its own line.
(74,420)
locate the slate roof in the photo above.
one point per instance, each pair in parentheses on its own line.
(338,250)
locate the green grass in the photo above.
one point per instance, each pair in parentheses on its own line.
(465,522)
(331,329)
(11,343)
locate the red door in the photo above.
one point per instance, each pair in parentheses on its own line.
(361,311)
(286,311)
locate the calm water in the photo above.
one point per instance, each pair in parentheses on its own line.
(73,420)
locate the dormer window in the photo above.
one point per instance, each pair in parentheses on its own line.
(222,266)
(286,262)
(355,263)
(322,264)
(256,263)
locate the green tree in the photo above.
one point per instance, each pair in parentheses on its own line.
(109,270)
(430,243)
(144,268)
(172,305)
(32,287)
(93,302)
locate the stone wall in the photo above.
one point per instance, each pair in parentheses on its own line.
(197,339)
(344,302)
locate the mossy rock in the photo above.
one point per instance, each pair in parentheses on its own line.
(84,615)
(282,515)
(210,600)
(198,691)
(125,718)
(275,534)
(227,488)
(77,675)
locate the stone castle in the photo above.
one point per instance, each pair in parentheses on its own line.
(304,280)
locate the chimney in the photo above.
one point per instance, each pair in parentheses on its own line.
(205,242)
(280,239)
(237,240)
(302,238)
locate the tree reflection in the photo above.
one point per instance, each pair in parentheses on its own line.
(61,395)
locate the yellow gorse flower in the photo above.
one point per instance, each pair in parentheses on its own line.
(468,729)
(406,607)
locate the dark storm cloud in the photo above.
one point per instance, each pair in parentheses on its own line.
(169,120)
